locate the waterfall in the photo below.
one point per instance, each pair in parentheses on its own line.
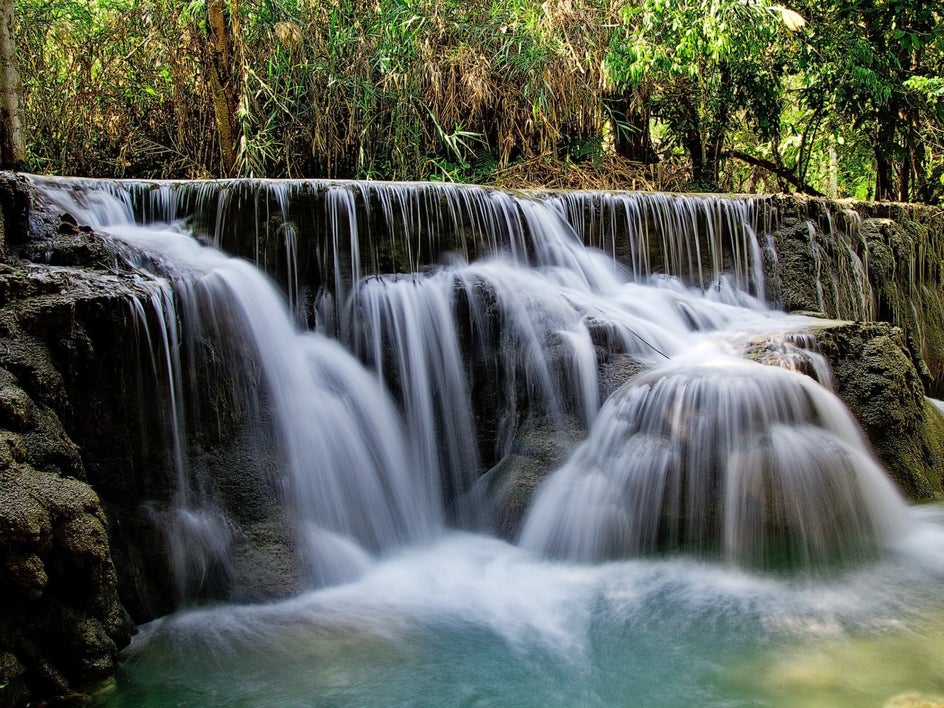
(347,473)
(721,456)
(445,320)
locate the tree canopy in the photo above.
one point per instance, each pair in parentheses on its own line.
(844,97)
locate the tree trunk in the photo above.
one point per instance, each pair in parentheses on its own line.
(885,148)
(717,127)
(12,139)
(911,172)
(222,83)
(884,164)
(694,146)
(700,176)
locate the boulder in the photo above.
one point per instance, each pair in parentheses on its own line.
(540,447)
(875,374)
(61,622)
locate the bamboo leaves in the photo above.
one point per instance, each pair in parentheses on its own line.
(470,89)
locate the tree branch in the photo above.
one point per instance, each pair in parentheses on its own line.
(773,168)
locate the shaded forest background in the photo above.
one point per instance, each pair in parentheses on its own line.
(841,97)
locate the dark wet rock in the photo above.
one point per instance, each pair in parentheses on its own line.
(61,622)
(539,448)
(244,466)
(792,277)
(265,566)
(64,405)
(615,370)
(14,405)
(540,442)
(70,388)
(16,198)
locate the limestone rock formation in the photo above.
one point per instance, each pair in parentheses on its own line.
(62,327)
(865,262)
(875,374)
(61,621)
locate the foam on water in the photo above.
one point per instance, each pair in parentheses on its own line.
(473,618)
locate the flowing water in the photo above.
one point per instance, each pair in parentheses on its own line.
(718,533)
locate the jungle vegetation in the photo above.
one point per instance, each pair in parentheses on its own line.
(842,97)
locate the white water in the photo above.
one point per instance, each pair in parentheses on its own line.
(712,452)
(722,464)
(473,621)
(351,480)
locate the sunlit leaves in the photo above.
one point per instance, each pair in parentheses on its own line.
(930,87)
(791,19)
(709,63)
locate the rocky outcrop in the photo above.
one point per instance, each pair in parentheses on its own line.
(87,475)
(74,552)
(68,341)
(874,373)
(865,262)
(882,266)
(61,620)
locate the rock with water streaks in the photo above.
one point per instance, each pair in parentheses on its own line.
(62,622)
(863,261)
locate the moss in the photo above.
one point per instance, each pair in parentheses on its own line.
(932,441)
(877,379)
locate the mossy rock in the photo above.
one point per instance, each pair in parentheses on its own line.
(876,376)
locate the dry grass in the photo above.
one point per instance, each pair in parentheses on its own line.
(611,173)
(469,90)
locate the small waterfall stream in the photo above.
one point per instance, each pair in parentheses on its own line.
(444,324)
(715,453)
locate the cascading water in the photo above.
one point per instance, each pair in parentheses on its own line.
(346,468)
(721,456)
(693,474)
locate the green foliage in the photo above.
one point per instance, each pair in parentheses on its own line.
(872,65)
(392,88)
(844,92)
(708,65)
(931,87)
